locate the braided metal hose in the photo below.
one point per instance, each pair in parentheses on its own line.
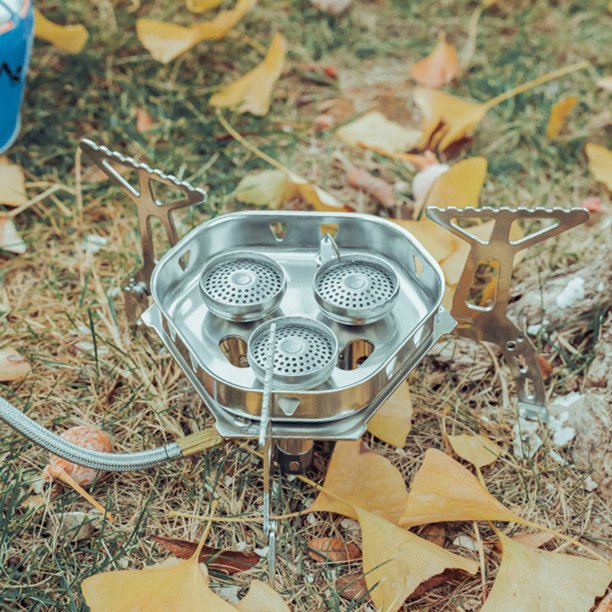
(110,462)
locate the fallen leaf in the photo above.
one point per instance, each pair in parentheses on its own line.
(531,579)
(360,179)
(227,561)
(439,67)
(352,586)
(424,180)
(86,436)
(600,163)
(439,243)
(13,366)
(605,605)
(443,490)
(434,533)
(333,550)
(270,188)
(10,240)
(333,7)
(70,38)
(361,478)
(459,186)
(166,41)
(144,121)
(12,187)
(476,449)
(605,83)
(446,118)
(396,561)
(274,188)
(546,368)
(375,130)
(252,92)
(558,114)
(201,6)
(180,586)
(535,540)
(393,421)
(261,598)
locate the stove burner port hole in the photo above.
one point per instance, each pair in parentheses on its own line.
(354,354)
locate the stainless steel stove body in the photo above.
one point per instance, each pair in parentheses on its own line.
(377,267)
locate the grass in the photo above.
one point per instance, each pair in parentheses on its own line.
(60,296)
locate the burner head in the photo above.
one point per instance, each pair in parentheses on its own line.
(305,352)
(242,286)
(356,289)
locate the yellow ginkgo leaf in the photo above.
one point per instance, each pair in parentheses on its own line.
(261,598)
(270,188)
(438,68)
(274,188)
(542,581)
(12,187)
(476,449)
(396,561)
(180,586)
(375,130)
(446,118)
(443,490)
(439,243)
(362,478)
(252,92)
(165,41)
(70,38)
(201,6)
(460,186)
(600,163)
(558,114)
(392,422)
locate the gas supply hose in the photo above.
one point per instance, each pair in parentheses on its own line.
(110,462)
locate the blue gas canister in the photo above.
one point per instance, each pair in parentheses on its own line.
(16,33)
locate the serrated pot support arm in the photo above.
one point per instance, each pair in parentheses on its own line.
(490,323)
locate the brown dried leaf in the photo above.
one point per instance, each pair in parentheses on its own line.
(362,478)
(605,605)
(144,121)
(546,368)
(434,533)
(352,586)
(333,550)
(439,67)
(443,490)
(227,561)
(360,179)
(13,366)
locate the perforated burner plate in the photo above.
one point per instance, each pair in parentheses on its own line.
(305,352)
(242,286)
(356,290)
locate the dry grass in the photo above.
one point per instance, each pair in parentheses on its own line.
(60,296)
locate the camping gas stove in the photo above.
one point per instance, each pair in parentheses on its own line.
(297,326)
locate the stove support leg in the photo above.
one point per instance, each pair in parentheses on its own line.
(294,456)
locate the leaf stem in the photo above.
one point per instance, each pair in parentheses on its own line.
(550,76)
(247,145)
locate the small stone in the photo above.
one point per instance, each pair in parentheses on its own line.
(263,551)
(229,593)
(589,484)
(526,441)
(571,293)
(74,526)
(465,541)
(350,525)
